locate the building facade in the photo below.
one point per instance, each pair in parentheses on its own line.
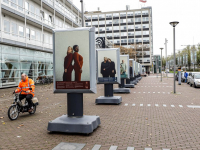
(128,28)
(26,36)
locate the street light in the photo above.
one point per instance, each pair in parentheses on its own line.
(161,63)
(82,11)
(173,24)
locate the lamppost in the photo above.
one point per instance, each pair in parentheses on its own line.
(173,24)
(82,11)
(161,63)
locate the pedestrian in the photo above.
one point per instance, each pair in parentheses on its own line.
(185,75)
(149,73)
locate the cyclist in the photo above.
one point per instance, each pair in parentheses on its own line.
(27,88)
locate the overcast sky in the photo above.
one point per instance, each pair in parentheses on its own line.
(187,12)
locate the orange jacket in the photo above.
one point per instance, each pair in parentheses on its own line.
(25,85)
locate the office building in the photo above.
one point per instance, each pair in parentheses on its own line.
(26,36)
(127,28)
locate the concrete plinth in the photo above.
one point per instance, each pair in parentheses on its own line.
(121,90)
(109,100)
(84,124)
(129,85)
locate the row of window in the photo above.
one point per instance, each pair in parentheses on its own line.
(117,21)
(38,14)
(123,27)
(109,35)
(121,14)
(18,30)
(130,40)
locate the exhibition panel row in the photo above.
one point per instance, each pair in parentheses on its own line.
(78,66)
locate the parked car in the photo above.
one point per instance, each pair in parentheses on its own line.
(195,80)
(190,74)
(176,77)
(182,77)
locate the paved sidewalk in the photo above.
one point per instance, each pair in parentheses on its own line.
(151,116)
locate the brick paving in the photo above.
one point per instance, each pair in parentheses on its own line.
(125,125)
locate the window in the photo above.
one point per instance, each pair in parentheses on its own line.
(116,21)
(123,33)
(123,40)
(123,14)
(130,20)
(95,23)
(145,25)
(108,28)
(21,31)
(13,3)
(6,1)
(129,13)
(94,16)
(38,36)
(130,33)
(123,27)
(20,5)
(27,33)
(138,13)
(145,19)
(37,12)
(50,39)
(108,15)
(50,19)
(137,19)
(102,16)
(138,26)
(116,15)
(14,29)
(32,10)
(109,35)
(6,26)
(116,34)
(145,32)
(46,17)
(108,21)
(101,22)
(122,20)
(130,26)
(116,28)
(46,40)
(32,34)
(27,7)
(88,23)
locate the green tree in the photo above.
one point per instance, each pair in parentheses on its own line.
(198,54)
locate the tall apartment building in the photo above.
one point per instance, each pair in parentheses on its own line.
(127,28)
(26,36)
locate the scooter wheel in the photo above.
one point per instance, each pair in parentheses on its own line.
(34,110)
(13,112)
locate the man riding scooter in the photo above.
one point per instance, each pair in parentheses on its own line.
(27,88)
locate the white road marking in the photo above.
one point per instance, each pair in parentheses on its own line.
(164,105)
(193,106)
(180,106)
(126,104)
(153,92)
(133,104)
(141,104)
(143,92)
(156,105)
(172,106)
(96,147)
(148,104)
(148,92)
(158,92)
(130,148)
(113,148)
